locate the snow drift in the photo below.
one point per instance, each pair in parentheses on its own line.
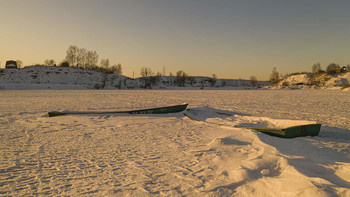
(171,155)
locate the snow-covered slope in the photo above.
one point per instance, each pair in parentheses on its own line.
(340,80)
(297,79)
(34,77)
(43,77)
(324,81)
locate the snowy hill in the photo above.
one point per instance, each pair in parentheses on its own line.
(44,77)
(323,81)
(297,79)
(340,80)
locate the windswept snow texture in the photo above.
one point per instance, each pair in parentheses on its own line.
(171,155)
(228,118)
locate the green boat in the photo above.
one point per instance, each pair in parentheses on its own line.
(158,110)
(290,132)
(275,127)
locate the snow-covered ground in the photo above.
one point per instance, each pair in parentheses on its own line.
(321,81)
(171,155)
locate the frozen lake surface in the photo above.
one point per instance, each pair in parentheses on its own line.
(170,154)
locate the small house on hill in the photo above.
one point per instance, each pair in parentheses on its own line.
(11,64)
(343,69)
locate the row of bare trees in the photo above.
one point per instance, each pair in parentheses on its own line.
(181,76)
(80,57)
(88,59)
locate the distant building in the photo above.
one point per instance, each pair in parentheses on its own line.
(343,69)
(11,64)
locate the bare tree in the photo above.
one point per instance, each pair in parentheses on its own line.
(164,71)
(315,77)
(91,59)
(105,63)
(212,81)
(117,69)
(181,78)
(49,62)
(253,80)
(316,68)
(72,54)
(81,57)
(274,77)
(146,72)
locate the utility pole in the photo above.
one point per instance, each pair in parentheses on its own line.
(164,72)
(133,74)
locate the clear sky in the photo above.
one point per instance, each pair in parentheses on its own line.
(231,38)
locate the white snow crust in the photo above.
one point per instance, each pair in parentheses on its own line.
(228,118)
(171,155)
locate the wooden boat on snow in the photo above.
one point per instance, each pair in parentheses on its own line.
(290,132)
(283,128)
(158,110)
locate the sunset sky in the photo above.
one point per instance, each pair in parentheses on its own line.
(229,38)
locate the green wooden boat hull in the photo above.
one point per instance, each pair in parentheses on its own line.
(304,129)
(291,132)
(158,110)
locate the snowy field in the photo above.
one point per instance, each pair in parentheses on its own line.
(171,155)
